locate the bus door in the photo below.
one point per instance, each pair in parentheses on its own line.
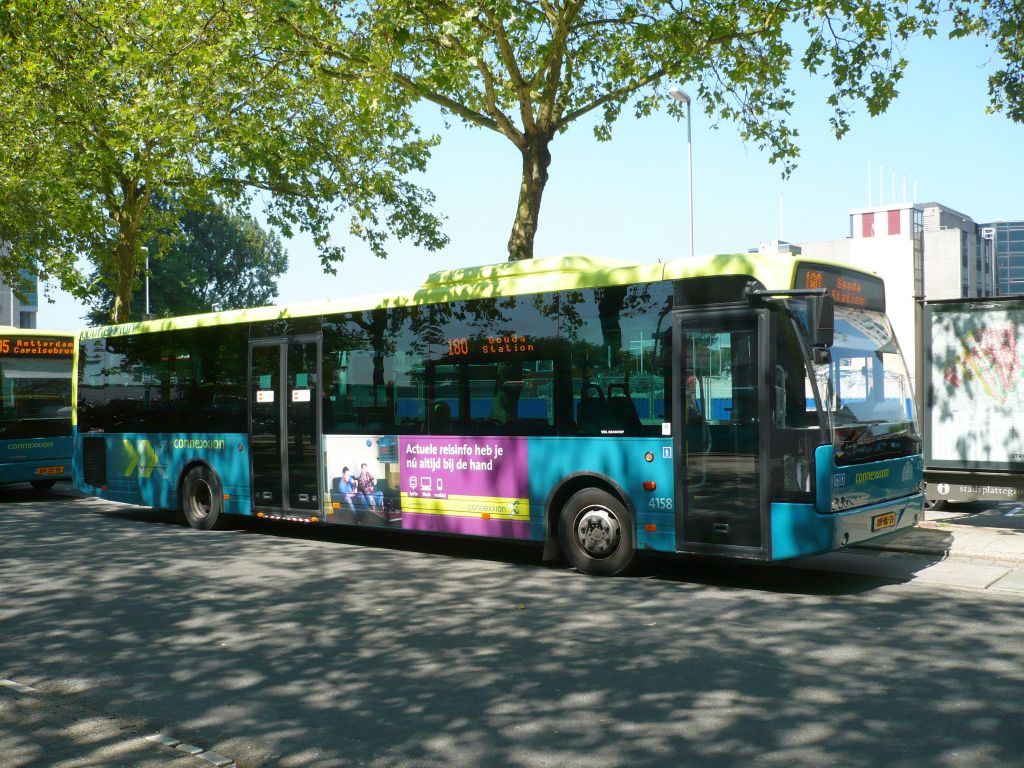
(284,425)
(718,411)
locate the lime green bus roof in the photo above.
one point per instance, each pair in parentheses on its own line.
(553,273)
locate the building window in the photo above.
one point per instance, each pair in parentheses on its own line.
(867,221)
(894,222)
(1009,256)
(917,225)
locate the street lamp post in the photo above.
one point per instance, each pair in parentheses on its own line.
(682,97)
(145,250)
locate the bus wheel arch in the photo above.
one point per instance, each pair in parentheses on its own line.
(200,496)
(594,525)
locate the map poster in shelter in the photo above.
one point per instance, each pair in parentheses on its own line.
(977,417)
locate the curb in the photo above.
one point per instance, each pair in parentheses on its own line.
(960,542)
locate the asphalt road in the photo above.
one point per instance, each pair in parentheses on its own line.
(295,647)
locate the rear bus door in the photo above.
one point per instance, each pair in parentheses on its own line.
(284,425)
(719,410)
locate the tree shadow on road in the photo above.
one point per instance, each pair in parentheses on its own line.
(338,648)
(696,569)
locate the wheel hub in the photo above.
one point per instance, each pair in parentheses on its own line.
(202,499)
(597,531)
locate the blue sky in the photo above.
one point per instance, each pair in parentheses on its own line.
(628,198)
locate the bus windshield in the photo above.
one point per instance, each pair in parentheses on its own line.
(864,392)
(33,390)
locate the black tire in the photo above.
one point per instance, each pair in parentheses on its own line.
(597,533)
(202,498)
(43,485)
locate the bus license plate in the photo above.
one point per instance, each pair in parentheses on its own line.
(881,522)
(50,470)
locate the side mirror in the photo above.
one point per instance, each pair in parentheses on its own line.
(821,315)
(821,355)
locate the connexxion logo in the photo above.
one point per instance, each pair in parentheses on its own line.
(22,446)
(142,457)
(878,474)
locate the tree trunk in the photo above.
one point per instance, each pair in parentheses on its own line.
(536,159)
(124,258)
(129,217)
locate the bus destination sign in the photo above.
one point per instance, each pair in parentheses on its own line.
(490,345)
(36,346)
(853,289)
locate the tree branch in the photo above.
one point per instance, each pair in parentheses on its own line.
(618,93)
(552,64)
(450,104)
(497,122)
(508,58)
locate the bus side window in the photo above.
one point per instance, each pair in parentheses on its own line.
(440,418)
(616,337)
(524,399)
(588,411)
(622,410)
(360,392)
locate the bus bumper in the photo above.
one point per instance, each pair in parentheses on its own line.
(799,530)
(35,471)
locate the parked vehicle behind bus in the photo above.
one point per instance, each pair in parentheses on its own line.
(35,406)
(754,406)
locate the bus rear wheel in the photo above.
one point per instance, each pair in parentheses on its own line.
(596,533)
(202,498)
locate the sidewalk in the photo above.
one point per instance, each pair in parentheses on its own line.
(991,532)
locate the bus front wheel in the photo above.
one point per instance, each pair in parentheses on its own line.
(202,498)
(596,533)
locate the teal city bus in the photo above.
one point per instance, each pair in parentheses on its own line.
(35,406)
(748,405)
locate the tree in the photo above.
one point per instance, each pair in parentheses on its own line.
(212,259)
(105,103)
(1002,23)
(529,69)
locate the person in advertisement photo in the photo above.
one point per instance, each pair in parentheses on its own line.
(369,495)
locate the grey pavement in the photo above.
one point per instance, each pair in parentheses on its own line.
(42,726)
(985,531)
(45,722)
(979,545)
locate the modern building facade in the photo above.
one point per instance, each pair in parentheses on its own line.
(1008,237)
(959,258)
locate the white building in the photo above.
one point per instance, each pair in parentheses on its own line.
(921,250)
(13,311)
(17,313)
